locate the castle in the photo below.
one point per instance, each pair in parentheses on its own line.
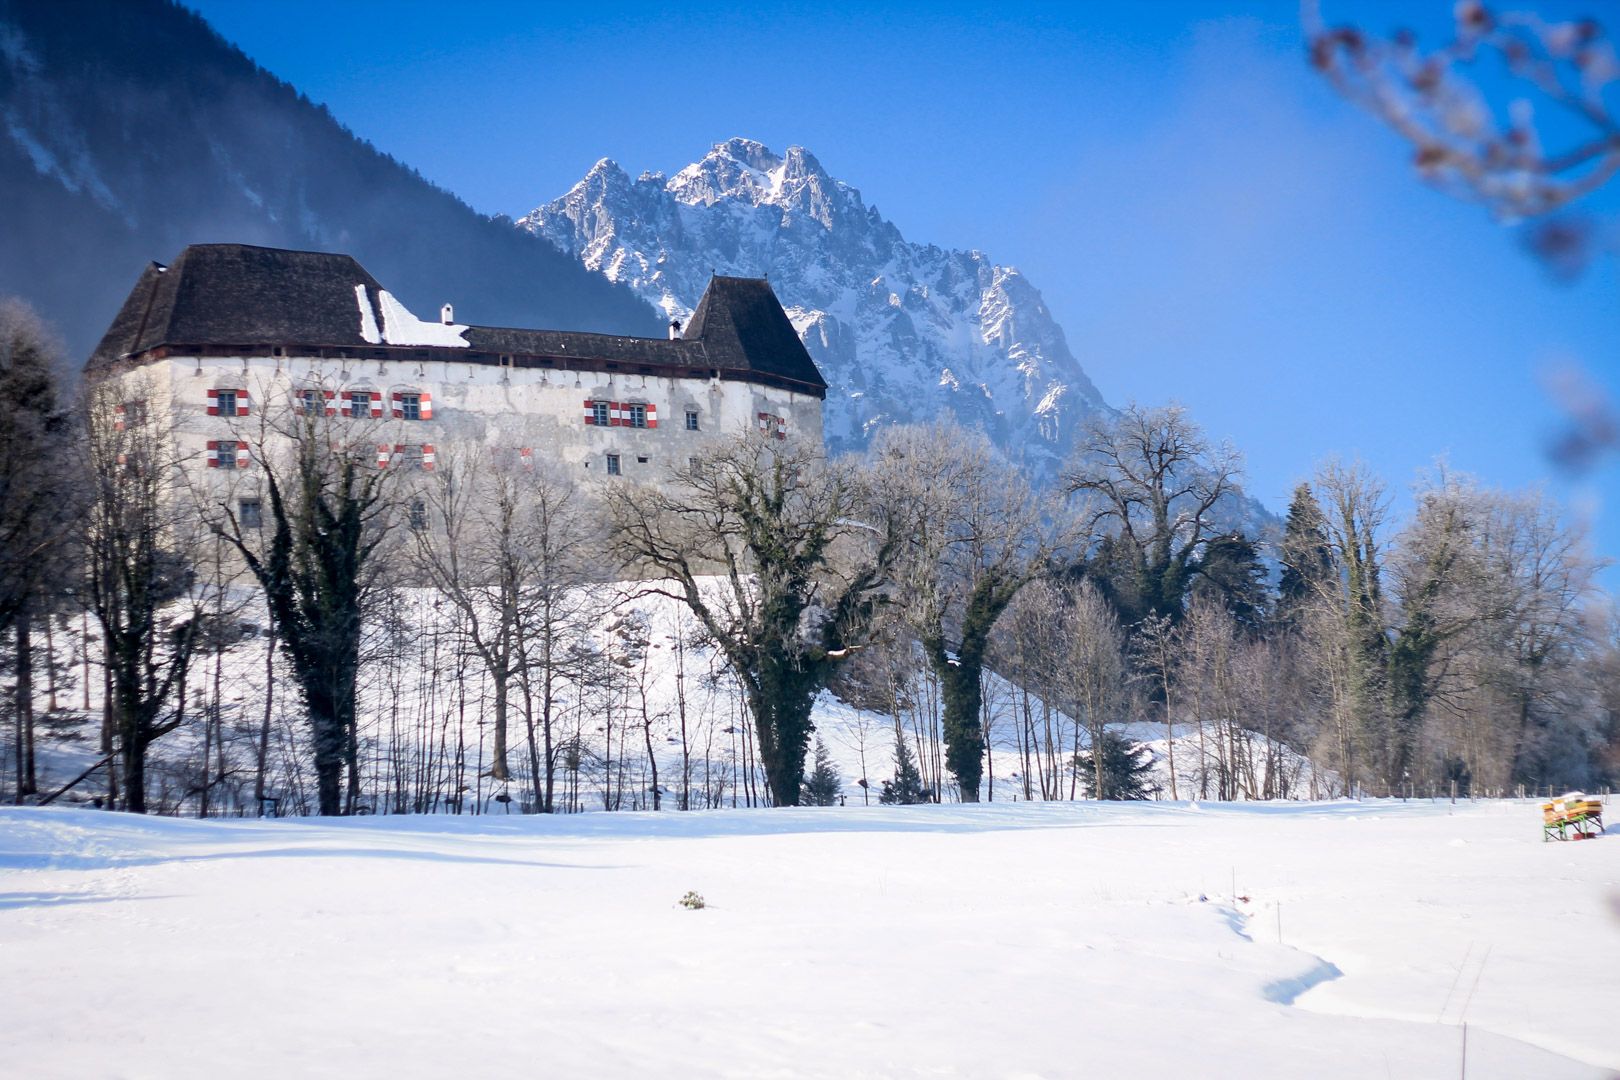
(230,332)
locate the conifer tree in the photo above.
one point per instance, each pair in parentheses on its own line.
(823,786)
(1307,557)
(1124,768)
(35,507)
(906,788)
(1232,575)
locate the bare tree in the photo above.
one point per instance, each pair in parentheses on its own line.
(329,513)
(1151,482)
(976,535)
(1350,624)
(1093,670)
(139,531)
(1155,647)
(1472,133)
(760,542)
(1515,112)
(501,538)
(1487,668)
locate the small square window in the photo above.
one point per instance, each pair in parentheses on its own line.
(691,420)
(250,513)
(613,464)
(641,460)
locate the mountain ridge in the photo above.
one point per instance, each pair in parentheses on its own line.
(129,131)
(903,331)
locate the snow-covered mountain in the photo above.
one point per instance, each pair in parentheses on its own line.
(901,331)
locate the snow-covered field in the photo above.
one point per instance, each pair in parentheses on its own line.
(1027,940)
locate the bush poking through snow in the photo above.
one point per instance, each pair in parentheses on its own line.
(693,901)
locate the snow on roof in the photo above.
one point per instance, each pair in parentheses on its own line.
(368,320)
(400,327)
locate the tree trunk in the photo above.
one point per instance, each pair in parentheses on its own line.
(27,781)
(498,770)
(135,775)
(264,722)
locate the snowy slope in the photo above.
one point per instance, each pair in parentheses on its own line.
(902,331)
(1024,941)
(425,723)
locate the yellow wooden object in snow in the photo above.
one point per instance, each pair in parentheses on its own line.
(1571,817)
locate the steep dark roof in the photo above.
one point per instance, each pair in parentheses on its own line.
(233,296)
(743,327)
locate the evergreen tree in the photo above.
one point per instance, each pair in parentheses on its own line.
(37,502)
(1231,574)
(823,786)
(906,789)
(1307,557)
(1125,768)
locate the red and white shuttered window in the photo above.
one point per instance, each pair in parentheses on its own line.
(526,457)
(412,405)
(771,424)
(223,402)
(361,404)
(313,401)
(418,456)
(631,414)
(228,454)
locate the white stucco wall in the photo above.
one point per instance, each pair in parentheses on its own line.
(473,405)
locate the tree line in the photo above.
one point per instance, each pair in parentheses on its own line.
(494,630)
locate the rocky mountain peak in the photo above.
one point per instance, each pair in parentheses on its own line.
(901,331)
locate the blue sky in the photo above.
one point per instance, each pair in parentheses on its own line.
(1209,223)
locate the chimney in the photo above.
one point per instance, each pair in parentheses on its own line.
(447,314)
(674,329)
